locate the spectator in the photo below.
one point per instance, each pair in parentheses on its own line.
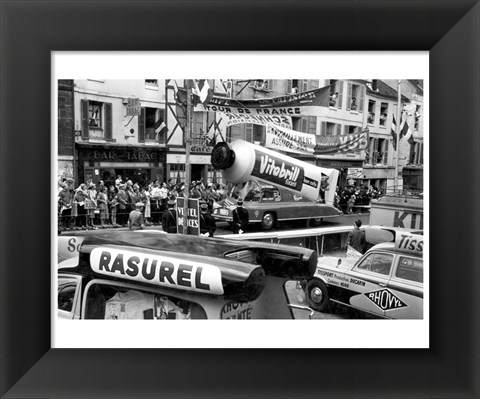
(122,210)
(207,222)
(356,237)
(324,186)
(91,206)
(163,197)
(333,99)
(353,105)
(102,204)
(194,191)
(351,203)
(169,218)
(118,182)
(146,200)
(156,203)
(79,203)
(112,194)
(240,218)
(135,218)
(65,199)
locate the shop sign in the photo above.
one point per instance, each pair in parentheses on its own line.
(129,155)
(193,216)
(201,148)
(133,107)
(355,173)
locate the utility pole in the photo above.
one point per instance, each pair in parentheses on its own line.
(188,142)
(397,139)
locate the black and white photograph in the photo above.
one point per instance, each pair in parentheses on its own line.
(231,199)
(242,199)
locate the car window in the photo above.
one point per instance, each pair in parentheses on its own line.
(116,302)
(67,287)
(380,263)
(410,269)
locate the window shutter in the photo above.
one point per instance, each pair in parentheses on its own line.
(338,129)
(141,126)
(108,121)
(349,98)
(362,96)
(345,130)
(289,87)
(304,85)
(323,131)
(339,89)
(84,115)
(312,124)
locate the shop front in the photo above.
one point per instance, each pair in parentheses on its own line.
(344,166)
(199,163)
(139,164)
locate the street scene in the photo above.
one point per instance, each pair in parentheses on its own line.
(240,199)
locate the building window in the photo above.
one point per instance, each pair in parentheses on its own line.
(356,94)
(151,82)
(416,154)
(306,124)
(331,129)
(351,129)
(151,125)
(378,151)
(177,172)
(336,93)
(95,114)
(96,120)
(214,176)
(383,114)
(371,112)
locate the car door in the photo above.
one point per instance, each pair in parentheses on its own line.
(69,296)
(406,284)
(369,280)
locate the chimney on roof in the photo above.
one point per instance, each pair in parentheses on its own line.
(374,84)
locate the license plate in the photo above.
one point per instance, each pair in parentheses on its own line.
(223,212)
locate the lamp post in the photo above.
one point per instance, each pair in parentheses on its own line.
(397,139)
(188,142)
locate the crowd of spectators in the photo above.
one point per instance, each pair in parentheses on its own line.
(94,205)
(355,198)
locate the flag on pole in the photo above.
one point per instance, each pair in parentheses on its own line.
(393,133)
(160,126)
(202,89)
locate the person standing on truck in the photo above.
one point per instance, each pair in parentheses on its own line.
(240,218)
(356,237)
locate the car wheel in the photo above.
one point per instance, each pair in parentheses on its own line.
(317,294)
(315,222)
(268,221)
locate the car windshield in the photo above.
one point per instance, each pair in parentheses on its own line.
(249,191)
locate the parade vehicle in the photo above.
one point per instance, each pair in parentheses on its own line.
(148,275)
(387,281)
(268,204)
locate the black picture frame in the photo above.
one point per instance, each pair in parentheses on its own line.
(30,30)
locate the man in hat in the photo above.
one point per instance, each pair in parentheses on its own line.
(169,218)
(240,218)
(135,219)
(194,191)
(207,222)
